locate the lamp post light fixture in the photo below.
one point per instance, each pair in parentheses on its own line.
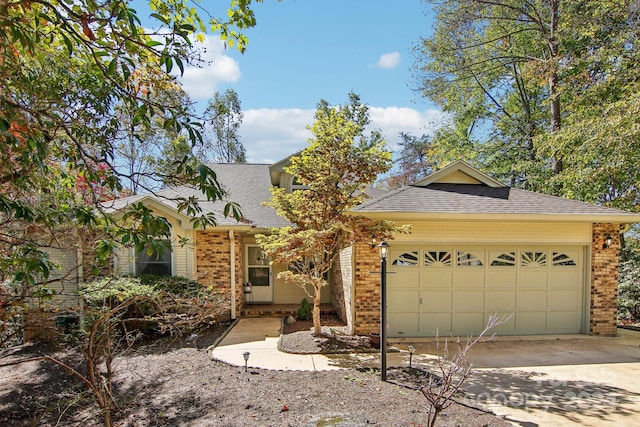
(608,241)
(412,350)
(246,359)
(383,247)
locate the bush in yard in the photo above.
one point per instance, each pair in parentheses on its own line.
(305,312)
(629,285)
(165,304)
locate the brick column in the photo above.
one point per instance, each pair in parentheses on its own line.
(604,280)
(367,289)
(212,266)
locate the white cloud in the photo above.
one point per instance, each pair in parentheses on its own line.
(200,82)
(388,60)
(270,135)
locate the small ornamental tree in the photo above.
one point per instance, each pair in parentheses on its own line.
(336,169)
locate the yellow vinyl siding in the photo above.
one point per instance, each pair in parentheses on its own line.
(507,232)
(63,280)
(290,293)
(457,177)
(124,262)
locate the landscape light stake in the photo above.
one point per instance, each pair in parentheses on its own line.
(384,249)
(412,350)
(246,359)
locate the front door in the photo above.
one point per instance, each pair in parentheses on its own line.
(259,275)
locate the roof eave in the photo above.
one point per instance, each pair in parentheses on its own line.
(510,217)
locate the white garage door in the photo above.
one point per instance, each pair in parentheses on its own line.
(454,290)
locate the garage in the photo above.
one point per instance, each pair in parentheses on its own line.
(473,247)
(454,290)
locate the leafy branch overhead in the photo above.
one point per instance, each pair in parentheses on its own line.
(75,77)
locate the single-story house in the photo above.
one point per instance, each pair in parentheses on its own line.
(477,247)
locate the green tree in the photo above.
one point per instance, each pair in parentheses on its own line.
(65,68)
(546,89)
(140,146)
(336,168)
(600,135)
(494,66)
(413,161)
(224,113)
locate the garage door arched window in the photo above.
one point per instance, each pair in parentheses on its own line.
(469,259)
(561,259)
(407,259)
(533,259)
(503,259)
(437,259)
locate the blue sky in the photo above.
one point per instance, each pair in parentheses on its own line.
(302,51)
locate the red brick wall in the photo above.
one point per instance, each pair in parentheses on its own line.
(367,289)
(213,265)
(604,280)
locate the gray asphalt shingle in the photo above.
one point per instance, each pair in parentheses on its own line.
(479,199)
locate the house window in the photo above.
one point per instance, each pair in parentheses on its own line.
(157,261)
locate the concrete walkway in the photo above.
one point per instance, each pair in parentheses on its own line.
(259,337)
(566,380)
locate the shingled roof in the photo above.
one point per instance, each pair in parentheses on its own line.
(246,184)
(461,192)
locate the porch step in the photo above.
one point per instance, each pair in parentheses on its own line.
(280,310)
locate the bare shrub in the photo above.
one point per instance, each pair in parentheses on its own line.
(453,369)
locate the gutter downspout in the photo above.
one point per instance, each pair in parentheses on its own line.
(233,273)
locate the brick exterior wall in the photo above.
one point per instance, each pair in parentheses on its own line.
(367,289)
(213,265)
(604,280)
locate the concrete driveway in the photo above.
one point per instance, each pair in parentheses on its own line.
(565,380)
(551,381)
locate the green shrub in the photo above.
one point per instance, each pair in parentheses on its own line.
(173,305)
(175,284)
(110,290)
(305,312)
(629,287)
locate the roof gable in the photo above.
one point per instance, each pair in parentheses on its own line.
(459,172)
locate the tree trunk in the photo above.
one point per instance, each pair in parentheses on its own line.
(557,165)
(317,327)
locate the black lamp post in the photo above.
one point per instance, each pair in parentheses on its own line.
(384,249)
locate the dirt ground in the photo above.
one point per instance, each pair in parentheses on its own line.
(176,384)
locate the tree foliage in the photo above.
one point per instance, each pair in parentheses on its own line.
(68,72)
(224,114)
(413,162)
(545,89)
(336,168)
